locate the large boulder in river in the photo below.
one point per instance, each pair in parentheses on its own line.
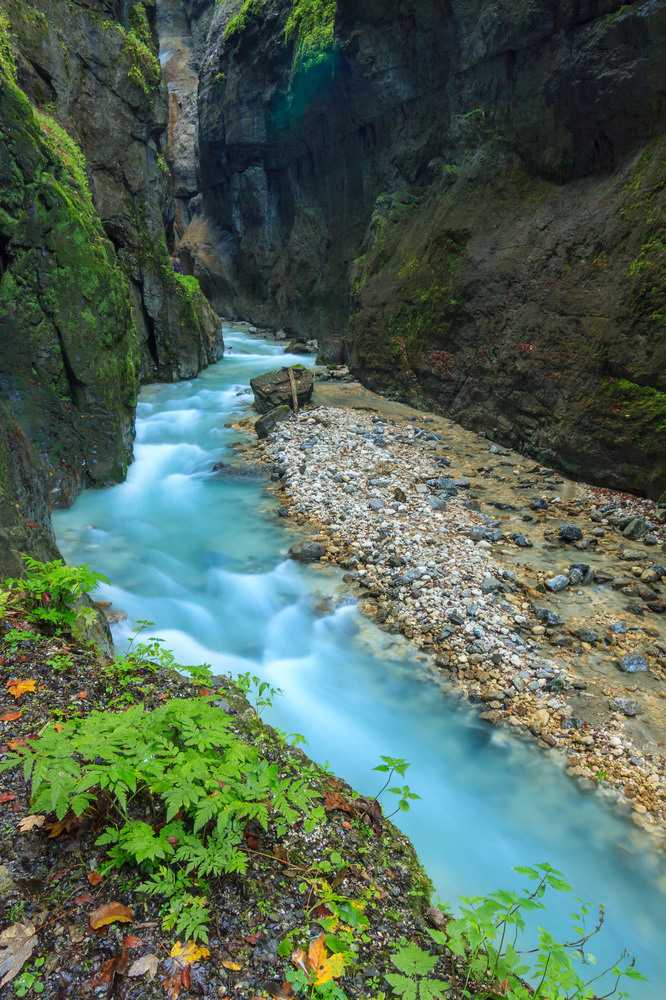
(273,389)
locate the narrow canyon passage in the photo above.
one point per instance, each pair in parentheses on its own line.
(202,555)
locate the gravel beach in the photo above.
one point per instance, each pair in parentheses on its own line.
(540,600)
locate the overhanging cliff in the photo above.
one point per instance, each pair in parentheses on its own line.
(463,200)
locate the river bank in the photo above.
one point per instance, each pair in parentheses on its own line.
(528,589)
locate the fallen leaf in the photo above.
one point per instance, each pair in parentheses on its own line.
(132,942)
(31,822)
(189,953)
(232,966)
(17,688)
(333,800)
(112,967)
(147,964)
(17,944)
(109,914)
(7,796)
(60,873)
(346,824)
(58,727)
(285,992)
(94,878)
(83,899)
(252,938)
(11,716)
(82,694)
(318,961)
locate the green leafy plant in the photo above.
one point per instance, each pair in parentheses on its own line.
(49,592)
(391,766)
(30,980)
(13,637)
(483,941)
(412,981)
(262,693)
(178,786)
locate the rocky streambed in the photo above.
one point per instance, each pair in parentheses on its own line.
(540,599)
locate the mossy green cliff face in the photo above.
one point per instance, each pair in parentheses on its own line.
(93,67)
(68,350)
(463,201)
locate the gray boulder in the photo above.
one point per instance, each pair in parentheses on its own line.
(266,424)
(273,389)
(306,552)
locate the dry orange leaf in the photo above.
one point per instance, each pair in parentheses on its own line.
(333,800)
(318,961)
(82,694)
(10,717)
(232,966)
(31,822)
(58,727)
(109,914)
(94,878)
(17,688)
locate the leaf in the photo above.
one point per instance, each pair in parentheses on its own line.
(11,716)
(109,914)
(17,944)
(132,942)
(232,966)
(17,688)
(94,878)
(7,796)
(318,962)
(147,964)
(83,899)
(189,953)
(333,800)
(31,822)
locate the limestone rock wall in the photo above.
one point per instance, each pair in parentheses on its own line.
(465,200)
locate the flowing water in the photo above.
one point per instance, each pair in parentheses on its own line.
(204,556)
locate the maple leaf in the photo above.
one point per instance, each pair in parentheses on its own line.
(318,962)
(31,822)
(17,688)
(109,914)
(17,944)
(147,964)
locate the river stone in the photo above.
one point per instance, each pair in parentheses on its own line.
(632,664)
(266,424)
(273,389)
(306,552)
(627,706)
(376,505)
(587,635)
(558,582)
(549,617)
(635,529)
(569,533)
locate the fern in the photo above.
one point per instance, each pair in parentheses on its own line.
(183,764)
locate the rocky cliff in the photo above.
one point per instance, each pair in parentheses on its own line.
(89,302)
(464,200)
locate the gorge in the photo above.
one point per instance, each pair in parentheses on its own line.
(462,201)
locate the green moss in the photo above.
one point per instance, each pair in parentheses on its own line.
(247,18)
(7,63)
(637,414)
(311,29)
(145,71)
(68,346)
(139,24)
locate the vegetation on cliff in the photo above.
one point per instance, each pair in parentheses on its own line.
(69,346)
(309,29)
